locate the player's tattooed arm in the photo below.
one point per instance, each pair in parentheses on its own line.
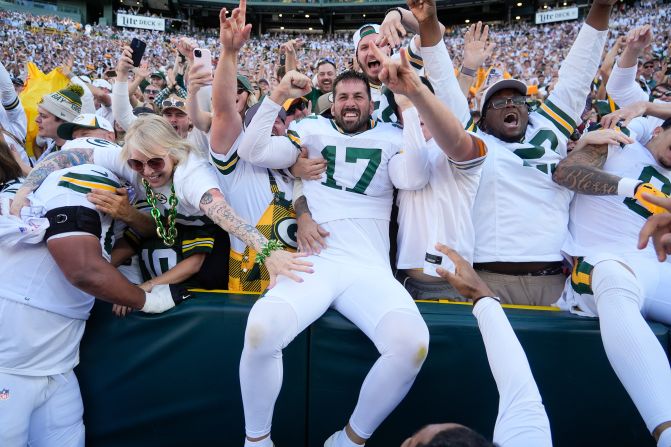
(582,172)
(54,162)
(41,171)
(216,208)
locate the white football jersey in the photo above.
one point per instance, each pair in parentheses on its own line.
(440,212)
(611,224)
(362,168)
(520,214)
(30,275)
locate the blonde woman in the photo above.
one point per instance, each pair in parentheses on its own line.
(176,182)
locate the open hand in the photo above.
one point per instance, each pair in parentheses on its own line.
(657,227)
(281,262)
(476,48)
(464,279)
(392,30)
(113,204)
(602,136)
(639,38)
(308,168)
(625,114)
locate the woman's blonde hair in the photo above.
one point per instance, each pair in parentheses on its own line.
(150,131)
(251,100)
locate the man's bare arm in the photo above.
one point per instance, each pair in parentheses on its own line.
(582,172)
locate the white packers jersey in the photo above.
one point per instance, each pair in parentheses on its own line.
(247,189)
(358,179)
(611,224)
(192,179)
(28,272)
(440,212)
(520,214)
(383,110)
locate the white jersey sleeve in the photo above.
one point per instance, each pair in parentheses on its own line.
(623,88)
(260,148)
(577,72)
(521,420)
(121,106)
(440,70)
(13,119)
(409,169)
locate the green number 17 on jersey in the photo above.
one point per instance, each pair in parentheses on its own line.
(352,155)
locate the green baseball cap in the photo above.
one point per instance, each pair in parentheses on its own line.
(244,82)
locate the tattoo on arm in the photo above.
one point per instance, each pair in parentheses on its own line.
(54,162)
(582,172)
(301,206)
(215,207)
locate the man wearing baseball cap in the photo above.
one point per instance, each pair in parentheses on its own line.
(174,110)
(56,108)
(87,126)
(520,215)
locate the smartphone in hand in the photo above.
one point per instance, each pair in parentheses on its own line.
(202,58)
(138,46)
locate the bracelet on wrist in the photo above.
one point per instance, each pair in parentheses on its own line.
(468,71)
(397,9)
(269,247)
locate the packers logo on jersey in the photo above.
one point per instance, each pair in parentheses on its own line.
(100,142)
(161,197)
(286,229)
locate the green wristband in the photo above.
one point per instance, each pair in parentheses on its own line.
(269,247)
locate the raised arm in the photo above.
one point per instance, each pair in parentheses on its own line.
(437,61)
(226,121)
(622,85)
(447,130)
(201,119)
(121,106)
(521,419)
(582,63)
(258,146)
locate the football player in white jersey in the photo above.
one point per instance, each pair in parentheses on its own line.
(520,215)
(352,200)
(178,184)
(613,280)
(47,294)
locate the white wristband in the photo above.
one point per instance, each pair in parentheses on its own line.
(158,300)
(627,187)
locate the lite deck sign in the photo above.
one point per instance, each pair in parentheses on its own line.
(556,15)
(131,21)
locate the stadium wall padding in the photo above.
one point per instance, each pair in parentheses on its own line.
(172,379)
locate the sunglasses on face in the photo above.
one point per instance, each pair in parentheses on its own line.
(658,94)
(171,103)
(149,91)
(325,60)
(503,102)
(155,164)
(648,66)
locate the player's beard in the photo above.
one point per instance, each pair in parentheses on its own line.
(359,125)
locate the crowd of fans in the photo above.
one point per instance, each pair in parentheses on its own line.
(204,173)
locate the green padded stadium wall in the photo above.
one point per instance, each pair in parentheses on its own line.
(172,379)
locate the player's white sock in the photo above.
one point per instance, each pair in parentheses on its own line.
(632,349)
(402,339)
(340,439)
(665,439)
(265,442)
(271,325)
